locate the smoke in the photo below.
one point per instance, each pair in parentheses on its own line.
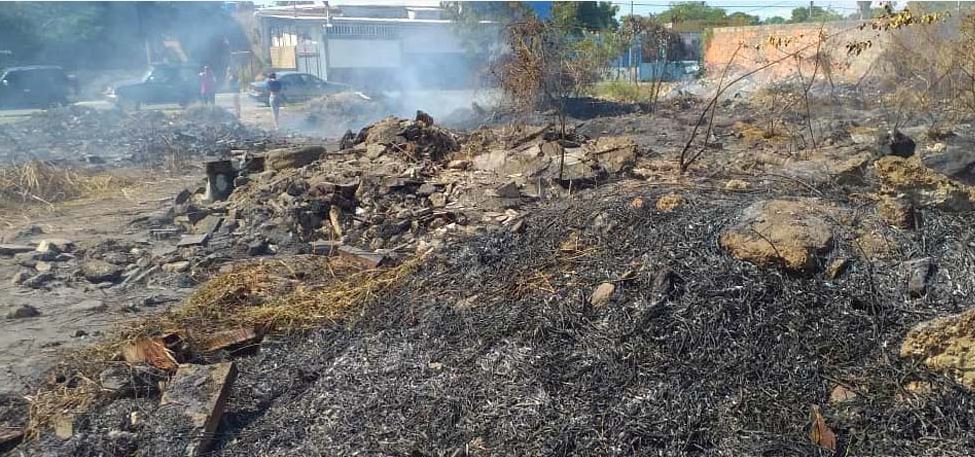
(402,65)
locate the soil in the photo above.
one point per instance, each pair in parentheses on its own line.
(29,346)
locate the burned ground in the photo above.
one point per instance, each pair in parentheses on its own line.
(493,348)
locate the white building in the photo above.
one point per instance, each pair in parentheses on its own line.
(369,46)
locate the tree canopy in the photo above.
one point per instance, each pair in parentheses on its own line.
(585,16)
(111,34)
(814,14)
(692,11)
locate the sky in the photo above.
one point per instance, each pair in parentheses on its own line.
(761,8)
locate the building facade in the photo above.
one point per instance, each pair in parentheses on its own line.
(375,47)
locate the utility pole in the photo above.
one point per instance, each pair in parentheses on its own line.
(810,10)
(634,73)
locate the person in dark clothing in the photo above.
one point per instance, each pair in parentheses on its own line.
(274,96)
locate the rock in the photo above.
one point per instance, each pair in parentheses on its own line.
(508,190)
(841,394)
(922,186)
(197,395)
(737,185)
(956,162)
(614,154)
(117,258)
(182,197)
(518,226)
(830,167)
(426,189)
(459,164)
(258,247)
(30,259)
(281,159)
(918,273)
(43,267)
(375,151)
(788,233)
(23,312)
(897,212)
(90,306)
(897,144)
(176,267)
(424,118)
(11,249)
(97,271)
(637,203)
(945,344)
(438,199)
(602,294)
(57,245)
(39,280)
(670,202)
(19,277)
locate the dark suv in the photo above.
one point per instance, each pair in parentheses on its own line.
(38,86)
(161,84)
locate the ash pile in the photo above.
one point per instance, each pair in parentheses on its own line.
(76,133)
(622,322)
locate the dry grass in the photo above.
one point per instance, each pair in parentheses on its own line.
(279,295)
(41,182)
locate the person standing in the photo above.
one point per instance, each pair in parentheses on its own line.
(233,84)
(208,86)
(274,96)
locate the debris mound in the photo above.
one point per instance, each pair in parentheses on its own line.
(414,140)
(79,133)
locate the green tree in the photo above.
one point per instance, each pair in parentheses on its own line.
(482,40)
(775,20)
(693,11)
(739,19)
(819,14)
(580,17)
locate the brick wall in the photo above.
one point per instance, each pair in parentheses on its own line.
(843,67)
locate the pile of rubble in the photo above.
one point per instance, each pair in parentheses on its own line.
(398,186)
(74,133)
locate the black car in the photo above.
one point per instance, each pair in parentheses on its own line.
(161,84)
(37,86)
(296,87)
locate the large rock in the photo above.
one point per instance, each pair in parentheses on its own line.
(787,233)
(613,153)
(956,162)
(840,167)
(945,344)
(923,186)
(98,271)
(280,159)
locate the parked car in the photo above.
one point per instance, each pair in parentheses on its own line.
(38,86)
(296,87)
(161,84)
